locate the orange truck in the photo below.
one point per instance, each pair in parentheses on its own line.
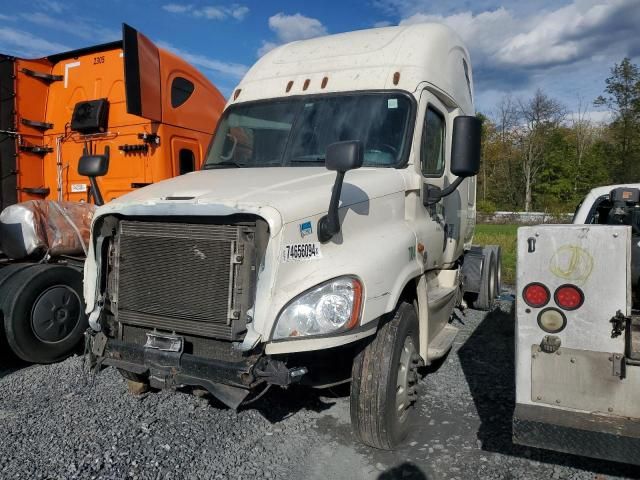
(80,128)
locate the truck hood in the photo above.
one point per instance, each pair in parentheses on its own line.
(294,192)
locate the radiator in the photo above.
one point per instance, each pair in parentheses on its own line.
(182,277)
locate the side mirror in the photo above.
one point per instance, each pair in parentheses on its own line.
(344,156)
(466,146)
(340,157)
(93,166)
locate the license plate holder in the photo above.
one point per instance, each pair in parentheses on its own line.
(164,343)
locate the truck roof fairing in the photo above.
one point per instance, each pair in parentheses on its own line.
(400,57)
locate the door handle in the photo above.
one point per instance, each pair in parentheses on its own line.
(531,241)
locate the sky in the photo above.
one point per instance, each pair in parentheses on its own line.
(565,47)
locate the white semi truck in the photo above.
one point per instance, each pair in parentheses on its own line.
(326,240)
(578,330)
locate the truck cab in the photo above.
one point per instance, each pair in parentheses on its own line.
(149,109)
(326,239)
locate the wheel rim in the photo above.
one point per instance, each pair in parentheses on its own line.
(55,314)
(499,275)
(492,282)
(406,386)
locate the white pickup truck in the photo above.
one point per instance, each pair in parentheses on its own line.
(326,240)
(578,330)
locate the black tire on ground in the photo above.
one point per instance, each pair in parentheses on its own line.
(44,317)
(486,298)
(384,381)
(497,255)
(6,273)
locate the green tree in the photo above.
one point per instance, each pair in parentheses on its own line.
(622,97)
(542,115)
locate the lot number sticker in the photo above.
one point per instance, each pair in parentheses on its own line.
(299,252)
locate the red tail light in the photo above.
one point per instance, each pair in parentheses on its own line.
(569,297)
(536,295)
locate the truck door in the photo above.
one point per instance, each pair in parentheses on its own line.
(430,164)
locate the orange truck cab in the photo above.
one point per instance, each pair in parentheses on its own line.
(153,112)
(144,112)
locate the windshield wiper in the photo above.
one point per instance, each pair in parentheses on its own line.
(226,163)
(309,159)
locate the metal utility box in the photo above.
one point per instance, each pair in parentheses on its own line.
(576,391)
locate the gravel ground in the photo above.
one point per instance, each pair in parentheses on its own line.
(54,425)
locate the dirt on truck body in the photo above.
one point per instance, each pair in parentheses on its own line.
(78,129)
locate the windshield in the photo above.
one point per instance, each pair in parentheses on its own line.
(297,131)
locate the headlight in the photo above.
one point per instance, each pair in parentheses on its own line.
(327,308)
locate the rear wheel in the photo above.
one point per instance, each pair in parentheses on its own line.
(486,297)
(44,317)
(497,256)
(384,382)
(6,274)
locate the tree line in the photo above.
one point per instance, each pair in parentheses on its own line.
(536,156)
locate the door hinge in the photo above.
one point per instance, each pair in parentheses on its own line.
(617,365)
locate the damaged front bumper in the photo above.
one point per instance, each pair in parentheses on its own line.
(230,380)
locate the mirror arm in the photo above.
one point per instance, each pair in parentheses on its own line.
(435,194)
(95,189)
(95,192)
(329,225)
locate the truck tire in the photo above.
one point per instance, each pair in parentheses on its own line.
(6,274)
(497,255)
(384,382)
(485,299)
(44,317)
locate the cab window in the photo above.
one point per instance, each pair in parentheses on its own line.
(186,161)
(432,149)
(181,90)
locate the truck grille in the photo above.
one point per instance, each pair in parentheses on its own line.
(183,278)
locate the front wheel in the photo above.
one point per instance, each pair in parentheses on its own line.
(385,380)
(44,317)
